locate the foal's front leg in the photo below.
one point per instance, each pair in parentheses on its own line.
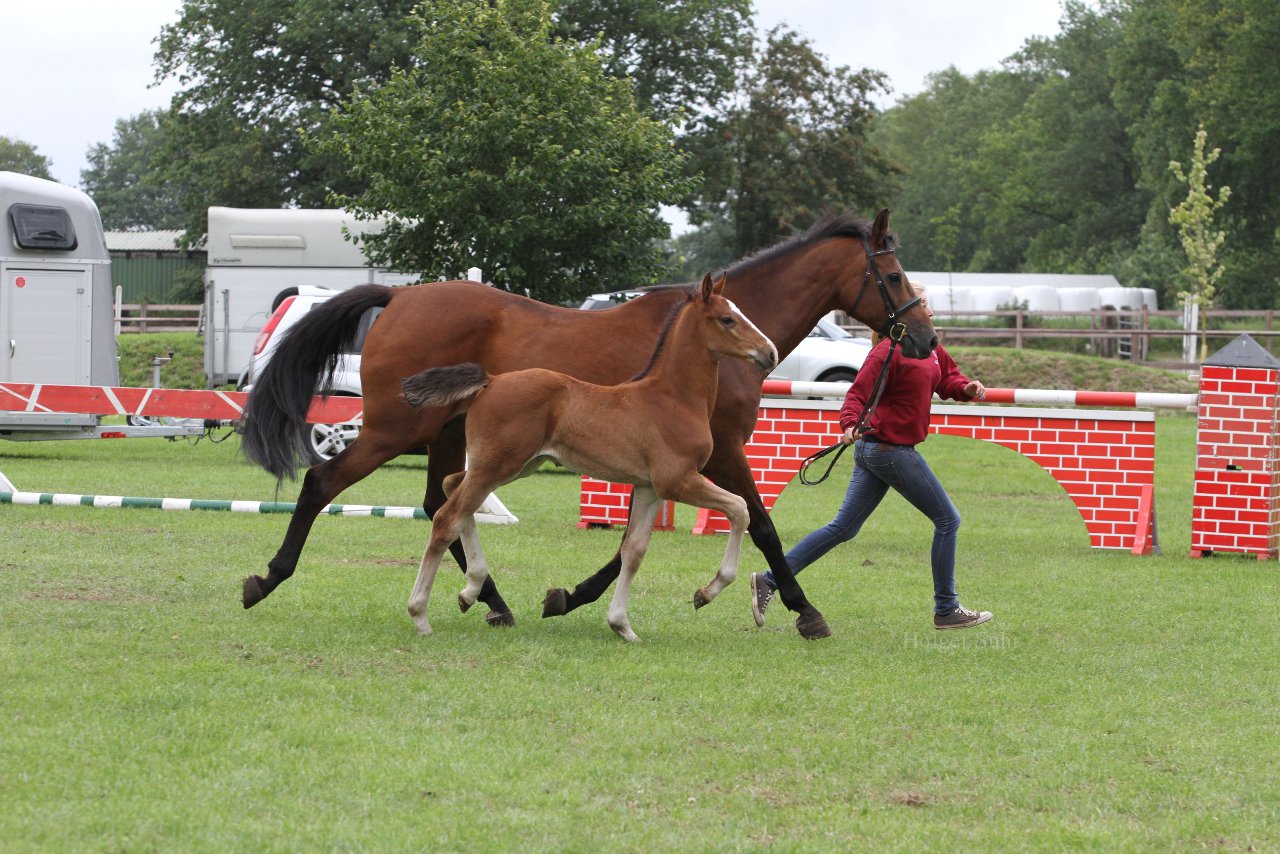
(701,492)
(644,509)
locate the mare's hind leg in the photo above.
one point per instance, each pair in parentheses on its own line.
(644,508)
(447,456)
(321,484)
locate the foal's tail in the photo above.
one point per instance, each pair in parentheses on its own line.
(274,426)
(443,386)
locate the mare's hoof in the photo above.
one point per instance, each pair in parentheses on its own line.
(700,599)
(500,619)
(556,603)
(253,592)
(463,604)
(812,626)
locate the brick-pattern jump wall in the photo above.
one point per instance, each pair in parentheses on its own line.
(1103,459)
(1236,505)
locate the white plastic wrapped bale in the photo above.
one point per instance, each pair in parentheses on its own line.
(1037,297)
(1078,299)
(944,299)
(1120,297)
(991,298)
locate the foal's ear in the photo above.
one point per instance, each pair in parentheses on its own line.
(880,228)
(707,287)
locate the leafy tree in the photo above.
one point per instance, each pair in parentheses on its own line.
(126,177)
(794,148)
(1193,217)
(1178,64)
(940,204)
(255,78)
(501,148)
(681,55)
(22,157)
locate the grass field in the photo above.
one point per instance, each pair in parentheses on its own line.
(1115,702)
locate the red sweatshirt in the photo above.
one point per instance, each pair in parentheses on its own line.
(902,416)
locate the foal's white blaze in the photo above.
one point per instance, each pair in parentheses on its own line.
(747,321)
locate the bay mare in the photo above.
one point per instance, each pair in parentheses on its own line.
(653,432)
(842,262)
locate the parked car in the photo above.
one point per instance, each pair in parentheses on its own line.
(828,354)
(290,305)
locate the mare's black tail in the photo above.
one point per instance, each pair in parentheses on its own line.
(274,427)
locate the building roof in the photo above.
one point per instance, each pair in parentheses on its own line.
(165,240)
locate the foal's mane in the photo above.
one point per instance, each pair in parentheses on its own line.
(667,322)
(831,225)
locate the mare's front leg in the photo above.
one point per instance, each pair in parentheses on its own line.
(732,471)
(635,542)
(448,456)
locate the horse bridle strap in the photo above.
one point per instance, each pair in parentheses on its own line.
(895,330)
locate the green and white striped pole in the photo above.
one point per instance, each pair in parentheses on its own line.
(63,499)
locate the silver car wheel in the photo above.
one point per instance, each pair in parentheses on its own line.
(329,440)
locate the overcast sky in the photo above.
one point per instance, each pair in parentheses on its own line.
(70,68)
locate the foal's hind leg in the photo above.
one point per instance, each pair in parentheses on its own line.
(644,509)
(444,530)
(447,456)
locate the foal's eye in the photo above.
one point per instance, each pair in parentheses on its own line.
(727,320)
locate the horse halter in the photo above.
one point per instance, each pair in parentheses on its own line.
(894,329)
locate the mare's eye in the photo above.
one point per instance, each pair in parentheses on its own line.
(895,278)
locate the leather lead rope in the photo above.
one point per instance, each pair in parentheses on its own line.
(863,420)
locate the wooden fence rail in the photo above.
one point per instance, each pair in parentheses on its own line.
(155,317)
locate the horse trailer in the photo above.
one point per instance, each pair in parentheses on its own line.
(57,316)
(257,257)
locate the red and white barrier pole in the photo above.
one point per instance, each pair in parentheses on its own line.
(1054,397)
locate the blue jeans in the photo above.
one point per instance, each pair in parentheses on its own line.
(879,467)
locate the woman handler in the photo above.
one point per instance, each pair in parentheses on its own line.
(887,458)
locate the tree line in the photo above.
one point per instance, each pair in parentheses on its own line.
(538,140)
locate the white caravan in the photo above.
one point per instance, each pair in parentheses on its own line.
(257,257)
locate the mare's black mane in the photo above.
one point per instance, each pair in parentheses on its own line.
(831,225)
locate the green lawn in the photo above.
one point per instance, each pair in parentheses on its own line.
(1115,702)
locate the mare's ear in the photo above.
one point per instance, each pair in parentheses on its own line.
(707,287)
(880,228)
(718,287)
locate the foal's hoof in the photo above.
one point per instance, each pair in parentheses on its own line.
(556,603)
(812,626)
(500,619)
(700,598)
(253,592)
